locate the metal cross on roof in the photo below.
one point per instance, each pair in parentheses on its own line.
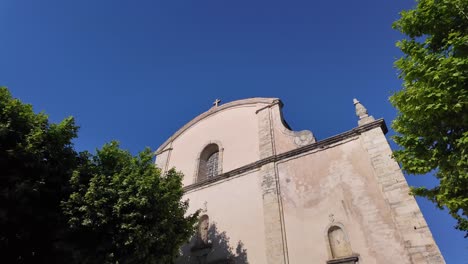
(216,102)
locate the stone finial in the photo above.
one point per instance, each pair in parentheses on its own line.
(361,112)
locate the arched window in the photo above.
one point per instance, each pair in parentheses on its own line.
(209,164)
(339,244)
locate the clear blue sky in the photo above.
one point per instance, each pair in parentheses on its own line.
(136,71)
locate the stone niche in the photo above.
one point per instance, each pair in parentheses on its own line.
(340,248)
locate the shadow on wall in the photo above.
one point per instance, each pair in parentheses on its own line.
(216,250)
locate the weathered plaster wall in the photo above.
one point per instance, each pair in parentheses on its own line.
(235,207)
(280,192)
(225,127)
(337,185)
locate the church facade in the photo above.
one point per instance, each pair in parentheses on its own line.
(270,195)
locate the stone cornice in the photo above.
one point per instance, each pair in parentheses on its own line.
(213,110)
(380,123)
(351,259)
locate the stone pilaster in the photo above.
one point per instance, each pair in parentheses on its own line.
(417,238)
(162,159)
(273,218)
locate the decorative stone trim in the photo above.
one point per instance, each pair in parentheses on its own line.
(274,102)
(275,239)
(164,150)
(348,260)
(275,158)
(300,138)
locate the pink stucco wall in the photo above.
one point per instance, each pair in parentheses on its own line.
(279,190)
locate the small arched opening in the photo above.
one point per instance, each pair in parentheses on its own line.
(339,244)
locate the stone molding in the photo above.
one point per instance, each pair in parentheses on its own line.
(347,260)
(380,123)
(214,110)
(276,101)
(300,138)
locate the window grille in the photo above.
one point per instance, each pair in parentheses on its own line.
(212,165)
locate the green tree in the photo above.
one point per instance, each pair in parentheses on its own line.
(60,206)
(433,112)
(122,210)
(36,161)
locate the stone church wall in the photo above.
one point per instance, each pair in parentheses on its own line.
(279,196)
(337,186)
(235,211)
(222,127)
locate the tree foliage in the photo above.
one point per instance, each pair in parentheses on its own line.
(60,206)
(122,210)
(433,104)
(36,161)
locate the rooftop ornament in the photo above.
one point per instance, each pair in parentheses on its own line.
(361,112)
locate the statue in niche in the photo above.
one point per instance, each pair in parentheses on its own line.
(203,229)
(339,244)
